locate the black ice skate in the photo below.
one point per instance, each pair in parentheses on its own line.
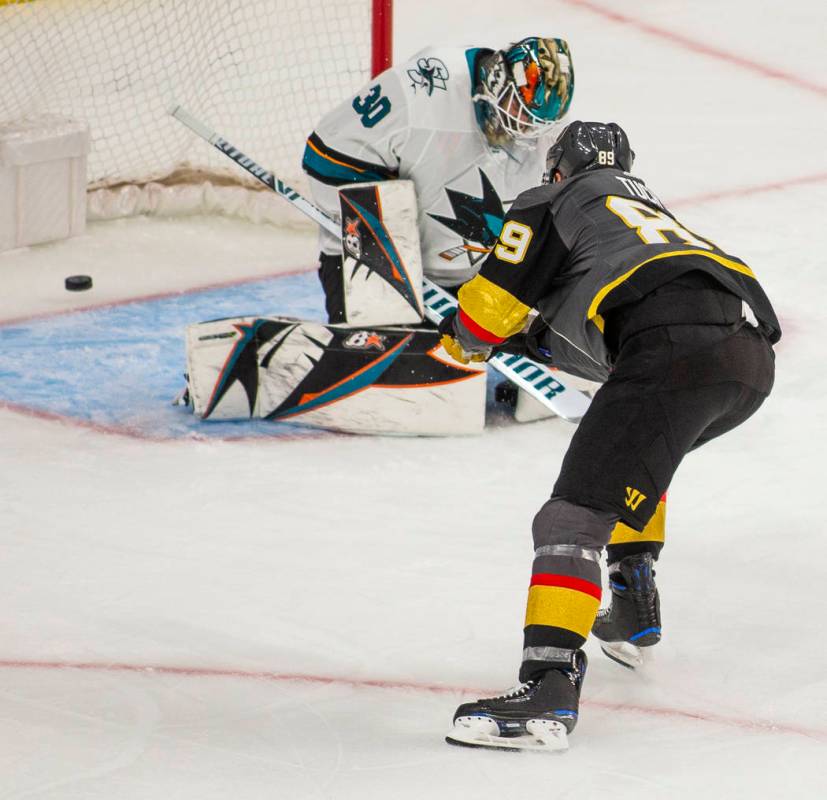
(633,620)
(536,715)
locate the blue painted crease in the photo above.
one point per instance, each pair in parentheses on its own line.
(122,366)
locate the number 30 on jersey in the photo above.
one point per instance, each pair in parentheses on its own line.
(513,243)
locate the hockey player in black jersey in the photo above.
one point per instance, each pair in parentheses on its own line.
(679,332)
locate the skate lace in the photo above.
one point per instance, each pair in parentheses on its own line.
(517,691)
(646,609)
(643,594)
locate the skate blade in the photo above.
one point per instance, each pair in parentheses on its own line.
(541,735)
(626,654)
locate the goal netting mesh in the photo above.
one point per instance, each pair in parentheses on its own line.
(261,72)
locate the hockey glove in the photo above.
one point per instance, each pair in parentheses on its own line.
(530,344)
(453,346)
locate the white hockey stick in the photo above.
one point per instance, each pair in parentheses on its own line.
(538,380)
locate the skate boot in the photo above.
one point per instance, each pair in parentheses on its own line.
(633,620)
(535,715)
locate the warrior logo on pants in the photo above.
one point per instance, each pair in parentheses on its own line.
(634,498)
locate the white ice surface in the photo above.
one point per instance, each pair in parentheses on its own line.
(298,619)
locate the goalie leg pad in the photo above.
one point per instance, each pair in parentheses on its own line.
(365,380)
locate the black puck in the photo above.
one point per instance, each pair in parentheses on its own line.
(78,283)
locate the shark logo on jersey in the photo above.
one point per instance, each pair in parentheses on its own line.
(429,74)
(478,220)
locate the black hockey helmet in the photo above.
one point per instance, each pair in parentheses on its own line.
(589,145)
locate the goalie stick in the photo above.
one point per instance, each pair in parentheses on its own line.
(538,380)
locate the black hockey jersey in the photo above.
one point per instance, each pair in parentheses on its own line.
(577,249)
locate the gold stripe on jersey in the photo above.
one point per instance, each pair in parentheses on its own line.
(561,608)
(492,307)
(655,530)
(598,320)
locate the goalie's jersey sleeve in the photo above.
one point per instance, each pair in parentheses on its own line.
(576,250)
(358,141)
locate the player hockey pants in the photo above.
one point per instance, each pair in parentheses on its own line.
(673,388)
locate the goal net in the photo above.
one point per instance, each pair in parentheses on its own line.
(261,72)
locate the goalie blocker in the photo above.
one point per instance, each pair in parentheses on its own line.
(381,260)
(392,380)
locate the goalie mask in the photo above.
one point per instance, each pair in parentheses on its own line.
(524,89)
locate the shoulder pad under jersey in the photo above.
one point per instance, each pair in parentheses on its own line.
(437,84)
(537,196)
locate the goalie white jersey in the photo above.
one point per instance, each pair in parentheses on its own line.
(418,121)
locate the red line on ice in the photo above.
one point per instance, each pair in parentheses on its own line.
(744,191)
(111,430)
(158,296)
(699,47)
(754,725)
(131,433)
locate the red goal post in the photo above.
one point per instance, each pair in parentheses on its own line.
(382,36)
(263,71)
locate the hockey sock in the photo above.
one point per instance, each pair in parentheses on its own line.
(563,600)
